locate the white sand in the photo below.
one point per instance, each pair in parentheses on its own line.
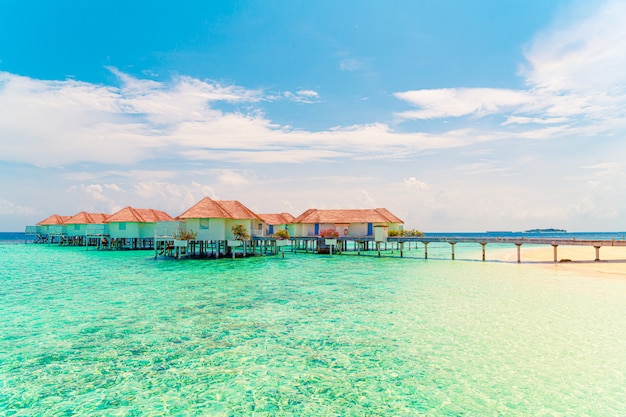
(574,258)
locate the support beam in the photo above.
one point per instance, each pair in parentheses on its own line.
(483,245)
(597,253)
(452,245)
(519,252)
(426,250)
(556,258)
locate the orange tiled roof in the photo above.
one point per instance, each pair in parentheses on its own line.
(214,209)
(274,219)
(87,218)
(135,215)
(54,219)
(378,215)
(237,210)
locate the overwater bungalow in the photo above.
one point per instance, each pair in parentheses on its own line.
(134,228)
(213,219)
(208,224)
(275,222)
(346,222)
(51,230)
(76,226)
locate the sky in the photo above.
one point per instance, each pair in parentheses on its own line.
(456,116)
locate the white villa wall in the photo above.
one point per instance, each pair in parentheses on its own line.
(215,231)
(307,229)
(289,227)
(76,229)
(97,229)
(124,230)
(168,228)
(56,229)
(391,226)
(258,228)
(146,230)
(354,229)
(247,223)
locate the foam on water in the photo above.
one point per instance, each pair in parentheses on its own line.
(117,333)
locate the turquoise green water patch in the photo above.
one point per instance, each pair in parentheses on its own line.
(117,333)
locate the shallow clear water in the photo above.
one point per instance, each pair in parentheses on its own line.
(117,333)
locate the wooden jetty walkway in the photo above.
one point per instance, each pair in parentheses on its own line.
(517,241)
(168,247)
(365,244)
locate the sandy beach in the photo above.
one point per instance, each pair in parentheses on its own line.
(574,258)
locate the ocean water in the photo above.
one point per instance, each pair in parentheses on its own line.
(116,333)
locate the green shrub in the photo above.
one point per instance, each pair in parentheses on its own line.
(181,234)
(281,234)
(240,232)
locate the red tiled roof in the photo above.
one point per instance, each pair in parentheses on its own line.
(214,209)
(378,215)
(274,219)
(135,215)
(54,219)
(237,210)
(87,218)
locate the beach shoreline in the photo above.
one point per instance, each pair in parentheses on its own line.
(578,259)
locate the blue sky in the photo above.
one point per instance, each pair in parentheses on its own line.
(456,116)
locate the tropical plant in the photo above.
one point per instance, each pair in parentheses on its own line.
(240,232)
(395,233)
(413,233)
(281,234)
(182,234)
(329,233)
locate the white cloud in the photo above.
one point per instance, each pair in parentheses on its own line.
(113,187)
(300,96)
(413,184)
(95,191)
(367,199)
(9,208)
(232,178)
(536,120)
(350,64)
(575,80)
(146,120)
(585,54)
(455,102)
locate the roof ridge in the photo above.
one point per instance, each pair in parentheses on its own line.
(137,214)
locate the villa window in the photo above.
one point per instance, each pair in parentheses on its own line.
(122,226)
(204,224)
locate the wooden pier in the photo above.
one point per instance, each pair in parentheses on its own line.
(366,244)
(517,241)
(170,247)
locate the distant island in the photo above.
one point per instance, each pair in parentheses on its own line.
(546,231)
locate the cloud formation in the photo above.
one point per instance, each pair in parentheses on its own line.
(574,76)
(144,120)
(456,102)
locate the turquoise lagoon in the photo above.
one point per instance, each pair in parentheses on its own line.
(100,333)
